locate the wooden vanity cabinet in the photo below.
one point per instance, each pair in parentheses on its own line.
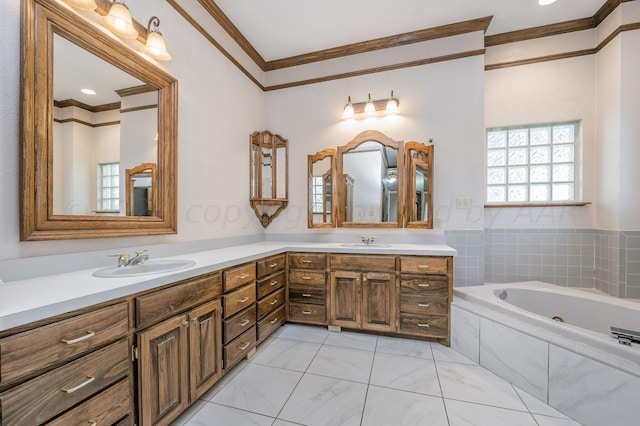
(180,357)
(426,292)
(363,292)
(307,293)
(270,295)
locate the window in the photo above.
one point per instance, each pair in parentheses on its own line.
(318,195)
(109,187)
(532,163)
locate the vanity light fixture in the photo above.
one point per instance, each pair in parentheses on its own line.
(82,4)
(155,46)
(370,107)
(545,2)
(119,20)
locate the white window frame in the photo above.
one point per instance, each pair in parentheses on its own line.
(535,186)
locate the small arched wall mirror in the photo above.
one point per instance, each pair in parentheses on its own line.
(268,178)
(76,148)
(369,174)
(376,182)
(141,190)
(321,181)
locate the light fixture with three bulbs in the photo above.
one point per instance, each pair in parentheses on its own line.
(371,107)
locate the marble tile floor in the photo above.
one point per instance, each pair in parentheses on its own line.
(306,375)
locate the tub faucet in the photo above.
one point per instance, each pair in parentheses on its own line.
(367,240)
(139,258)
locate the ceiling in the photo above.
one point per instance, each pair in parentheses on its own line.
(283,28)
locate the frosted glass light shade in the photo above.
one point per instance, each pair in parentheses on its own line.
(119,21)
(155,46)
(369,108)
(82,4)
(348,112)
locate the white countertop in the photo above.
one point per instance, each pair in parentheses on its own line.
(25,301)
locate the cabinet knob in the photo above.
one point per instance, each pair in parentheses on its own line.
(185,323)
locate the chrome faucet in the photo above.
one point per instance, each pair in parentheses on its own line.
(367,240)
(125,260)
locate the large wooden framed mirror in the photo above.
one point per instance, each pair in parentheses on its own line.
(321,189)
(419,164)
(75,146)
(369,176)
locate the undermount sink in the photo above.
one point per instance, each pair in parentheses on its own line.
(372,245)
(147,268)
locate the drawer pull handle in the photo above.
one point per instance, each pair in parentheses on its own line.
(245,346)
(243,276)
(245,322)
(423,266)
(79,386)
(306,261)
(92,423)
(306,295)
(423,325)
(306,312)
(244,299)
(424,285)
(89,335)
(423,305)
(273,321)
(306,278)
(273,265)
(274,302)
(274,282)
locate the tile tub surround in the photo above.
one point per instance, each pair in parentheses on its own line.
(408,382)
(546,366)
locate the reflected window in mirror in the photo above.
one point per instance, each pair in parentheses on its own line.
(419,161)
(368,181)
(321,182)
(108,188)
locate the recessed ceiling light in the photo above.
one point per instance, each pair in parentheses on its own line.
(545,2)
(88,91)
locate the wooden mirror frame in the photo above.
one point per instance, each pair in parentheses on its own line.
(425,158)
(311,159)
(130,176)
(366,136)
(40,20)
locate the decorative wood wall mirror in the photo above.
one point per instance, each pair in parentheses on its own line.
(68,138)
(369,182)
(419,162)
(321,189)
(268,175)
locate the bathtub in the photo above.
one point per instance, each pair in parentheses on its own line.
(576,366)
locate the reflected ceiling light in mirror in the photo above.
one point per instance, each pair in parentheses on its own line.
(155,46)
(88,92)
(545,2)
(371,107)
(119,20)
(82,4)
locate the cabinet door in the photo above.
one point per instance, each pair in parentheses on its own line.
(163,371)
(205,347)
(346,299)
(379,301)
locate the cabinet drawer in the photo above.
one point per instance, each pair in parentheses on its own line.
(423,325)
(423,265)
(162,304)
(307,261)
(42,347)
(307,312)
(238,300)
(105,408)
(239,276)
(239,323)
(270,285)
(270,265)
(363,263)
(304,277)
(270,323)
(46,396)
(308,293)
(424,305)
(422,285)
(270,303)
(236,350)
